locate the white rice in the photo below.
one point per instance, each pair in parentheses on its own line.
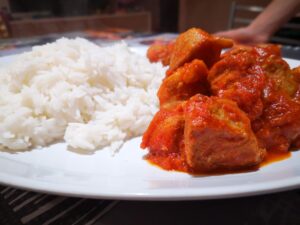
(90,96)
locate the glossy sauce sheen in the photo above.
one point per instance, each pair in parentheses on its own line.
(275,157)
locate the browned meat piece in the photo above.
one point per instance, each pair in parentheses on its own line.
(296,73)
(197,44)
(164,138)
(262,84)
(238,77)
(279,125)
(185,82)
(165,130)
(253,109)
(218,135)
(160,52)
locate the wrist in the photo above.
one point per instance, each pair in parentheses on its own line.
(259,34)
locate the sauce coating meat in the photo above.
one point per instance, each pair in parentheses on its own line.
(196,44)
(164,138)
(185,82)
(218,135)
(263,85)
(160,51)
(225,111)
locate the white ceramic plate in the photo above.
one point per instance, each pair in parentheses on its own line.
(126,175)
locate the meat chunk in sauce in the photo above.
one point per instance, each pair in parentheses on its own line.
(164,138)
(185,82)
(263,85)
(160,52)
(218,135)
(223,112)
(202,134)
(196,44)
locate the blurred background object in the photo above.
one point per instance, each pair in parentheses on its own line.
(243,15)
(4,23)
(27,18)
(34,17)
(211,15)
(233,14)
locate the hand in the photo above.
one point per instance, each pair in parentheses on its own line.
(244,35)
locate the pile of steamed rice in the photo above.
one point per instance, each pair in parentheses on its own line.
(90,96)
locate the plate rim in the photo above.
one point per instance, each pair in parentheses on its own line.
(198,194)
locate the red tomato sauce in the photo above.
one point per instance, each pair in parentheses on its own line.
(175,162)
